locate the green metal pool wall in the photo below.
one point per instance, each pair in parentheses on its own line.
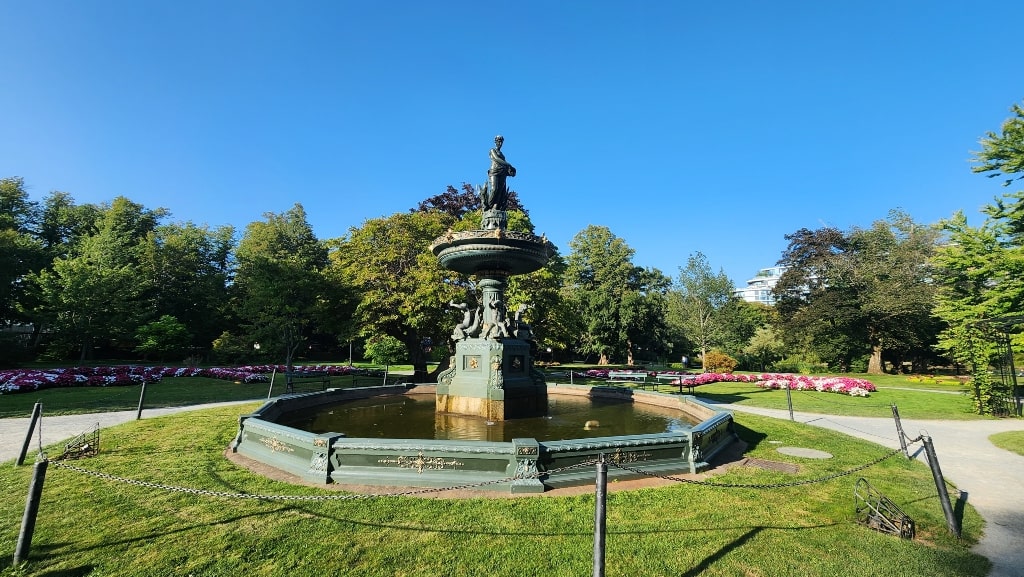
(335,458)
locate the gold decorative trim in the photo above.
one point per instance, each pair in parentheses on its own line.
(419,462)
(620,457)
(275,445)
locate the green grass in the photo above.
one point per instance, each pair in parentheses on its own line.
(89,526)
(1009,440)
(169,392)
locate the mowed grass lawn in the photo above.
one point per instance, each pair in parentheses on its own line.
(92,526)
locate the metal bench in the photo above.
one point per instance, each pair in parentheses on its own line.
(291,379)
(636,378)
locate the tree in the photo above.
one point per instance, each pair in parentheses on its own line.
(865,293)
(285,288)
(892,271)
(599,275)
(699,300)
(188,268)
(554,325)
(385,350)
(401,286)
(765,346)
(740,320)
(979,271)
(1003,154)
(95,295)
(163,337)
(459,203)
(20,252)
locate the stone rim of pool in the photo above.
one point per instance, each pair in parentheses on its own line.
(524,465)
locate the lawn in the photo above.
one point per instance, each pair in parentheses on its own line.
(1010,440)
(92,526)
(169,392)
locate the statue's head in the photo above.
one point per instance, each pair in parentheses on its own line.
(499,139)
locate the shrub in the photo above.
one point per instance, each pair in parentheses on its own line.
(719,362)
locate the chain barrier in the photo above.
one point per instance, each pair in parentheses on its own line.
(344,497)
(637,471)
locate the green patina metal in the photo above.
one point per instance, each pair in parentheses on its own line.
(526,465)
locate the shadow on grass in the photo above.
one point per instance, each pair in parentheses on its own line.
(749,436)
(738,542)
(727,398)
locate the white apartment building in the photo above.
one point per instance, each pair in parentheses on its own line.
(759,288)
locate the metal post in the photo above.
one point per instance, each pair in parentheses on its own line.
(271,389)
(789,401)
(28,520)
(599,516)
(940,485)
(142,399)
(899,430)
(36,411)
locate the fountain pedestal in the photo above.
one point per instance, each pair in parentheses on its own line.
(492,379)
(492,374)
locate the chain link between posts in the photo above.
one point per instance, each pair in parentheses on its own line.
(343,497)
(469,486)
(816,480)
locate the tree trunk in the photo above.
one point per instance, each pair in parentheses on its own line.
(417,357)
(875,364)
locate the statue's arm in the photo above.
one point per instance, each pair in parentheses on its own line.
(499,158)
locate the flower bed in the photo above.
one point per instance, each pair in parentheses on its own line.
(25,380)
(842,385)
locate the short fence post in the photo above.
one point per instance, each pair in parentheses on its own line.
(940,485)
(899,430)
(36,411)
(599,515)
(789,401)
(142,399)
(28,520)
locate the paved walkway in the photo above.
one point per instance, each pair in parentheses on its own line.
(992,478)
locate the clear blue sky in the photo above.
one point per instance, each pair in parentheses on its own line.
(682,126)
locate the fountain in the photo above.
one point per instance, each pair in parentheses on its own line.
(492,374)
(491,380)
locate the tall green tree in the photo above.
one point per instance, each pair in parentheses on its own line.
(979,271)
(862,294)
(401,286)
(697,305)
(20,252)
(96,295)
(285,288)
(620,306)
(189,268)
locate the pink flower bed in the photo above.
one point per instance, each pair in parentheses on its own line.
(842,385)
(24,380)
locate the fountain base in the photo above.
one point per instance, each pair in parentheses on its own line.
(492,379)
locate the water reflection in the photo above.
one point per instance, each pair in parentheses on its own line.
(413,417)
